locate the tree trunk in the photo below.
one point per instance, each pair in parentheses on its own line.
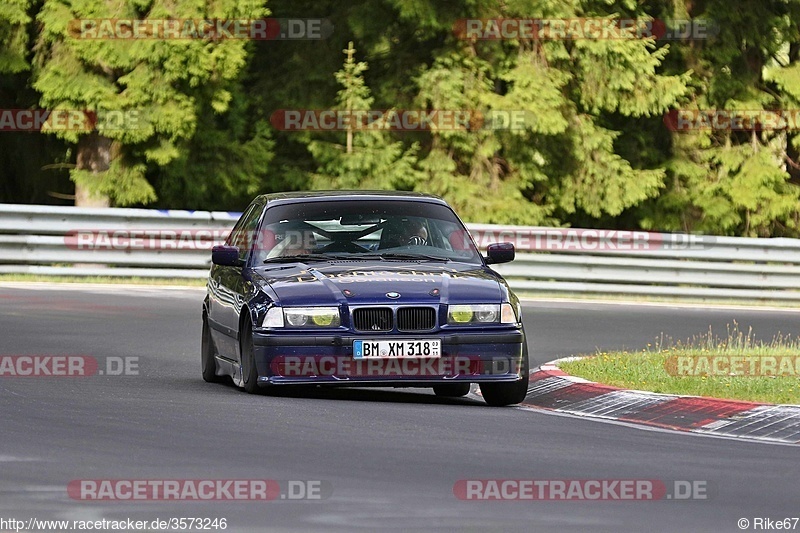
(94,155)
(791,152)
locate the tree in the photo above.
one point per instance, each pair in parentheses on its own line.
(14,20)
(226,162)
(158,85)
(564,161)
(369,159)
(739,181)
(593,149)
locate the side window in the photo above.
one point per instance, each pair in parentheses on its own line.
(244,232)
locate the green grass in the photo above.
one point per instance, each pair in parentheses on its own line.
(654,368)
(180,282)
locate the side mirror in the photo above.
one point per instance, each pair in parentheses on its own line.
(500,252)
(225,256)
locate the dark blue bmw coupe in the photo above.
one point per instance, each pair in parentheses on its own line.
(356,288)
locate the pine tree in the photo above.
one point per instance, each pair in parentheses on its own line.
(14,22)
(159,84)
(737,182)
(564,160)
(368,159)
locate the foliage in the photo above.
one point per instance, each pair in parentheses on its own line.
(592,150)
(166,84)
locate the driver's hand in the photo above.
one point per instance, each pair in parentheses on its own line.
(420,238)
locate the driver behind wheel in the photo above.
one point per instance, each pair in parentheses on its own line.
(404,231)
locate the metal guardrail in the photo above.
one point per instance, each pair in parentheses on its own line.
(45,240)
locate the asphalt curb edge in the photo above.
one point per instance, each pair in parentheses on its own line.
(553,389)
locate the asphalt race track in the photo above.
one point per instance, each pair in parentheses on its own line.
(389,459)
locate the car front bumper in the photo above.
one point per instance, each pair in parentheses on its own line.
(472,357)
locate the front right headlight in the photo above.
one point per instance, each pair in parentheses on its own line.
(299,317)
(322,317)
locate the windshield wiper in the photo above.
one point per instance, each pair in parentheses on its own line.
(302,258)
(406,257)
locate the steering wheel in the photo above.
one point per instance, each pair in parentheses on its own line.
(345,247)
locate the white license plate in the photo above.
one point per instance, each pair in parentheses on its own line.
(383,349)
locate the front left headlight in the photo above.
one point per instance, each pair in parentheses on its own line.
(481,314)
(473,314)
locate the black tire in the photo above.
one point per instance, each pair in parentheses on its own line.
(451,390)
(249,370)
(207,353)
(502,394)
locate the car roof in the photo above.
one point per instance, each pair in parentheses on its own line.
(315,196)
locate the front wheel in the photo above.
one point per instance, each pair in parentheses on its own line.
(249,370)
(501,394)
(208,355)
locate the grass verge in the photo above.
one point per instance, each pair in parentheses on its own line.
(736,366)
(178,282)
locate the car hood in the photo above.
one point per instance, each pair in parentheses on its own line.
(363,282)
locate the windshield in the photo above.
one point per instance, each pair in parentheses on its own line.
(360,229)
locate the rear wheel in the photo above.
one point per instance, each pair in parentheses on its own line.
(451,390)
(501,394)
(207,355)
(249,370)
